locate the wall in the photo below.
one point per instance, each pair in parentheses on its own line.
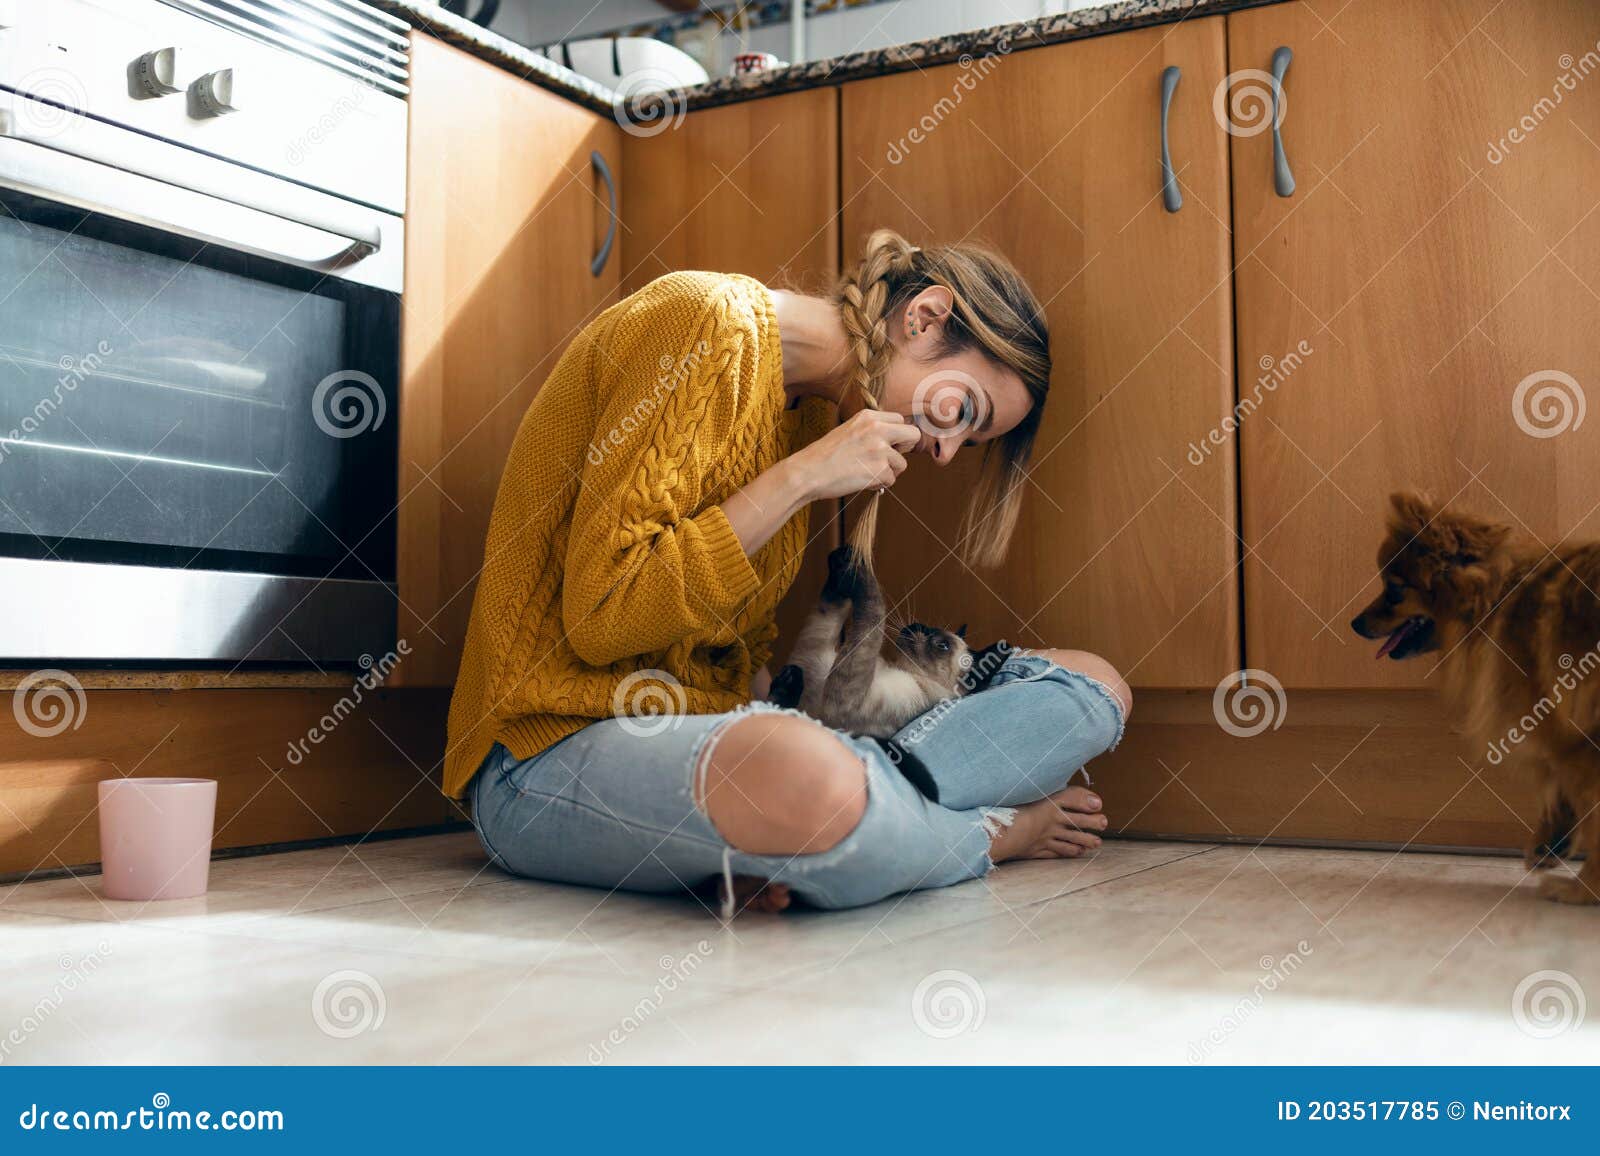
(855,29)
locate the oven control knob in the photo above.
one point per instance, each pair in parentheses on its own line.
(157,72)
(214,93)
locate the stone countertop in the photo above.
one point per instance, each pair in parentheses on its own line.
(1001,39)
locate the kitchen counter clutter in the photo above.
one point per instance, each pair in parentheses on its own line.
(996,41)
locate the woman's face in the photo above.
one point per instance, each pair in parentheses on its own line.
(956,400)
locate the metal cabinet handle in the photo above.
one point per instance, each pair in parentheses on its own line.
(1282,178)
(1171,196)
(599,263)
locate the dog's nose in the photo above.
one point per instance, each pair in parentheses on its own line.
(1357,625)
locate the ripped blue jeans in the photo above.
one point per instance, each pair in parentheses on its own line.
(614,806)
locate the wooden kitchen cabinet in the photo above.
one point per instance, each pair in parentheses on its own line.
(747,188)
(1441,247)
(505,214)
(1051,155)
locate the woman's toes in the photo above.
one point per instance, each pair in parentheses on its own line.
(1079,799)
(1061,849)
(1085,839)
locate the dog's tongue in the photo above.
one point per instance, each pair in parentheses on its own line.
(1394,638)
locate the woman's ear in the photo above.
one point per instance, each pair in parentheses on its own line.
(926,313)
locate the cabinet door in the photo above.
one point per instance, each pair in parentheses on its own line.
(1440,250)
(1052,156)
(747,188)
(505,214)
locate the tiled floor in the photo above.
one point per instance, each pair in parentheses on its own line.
(417,951)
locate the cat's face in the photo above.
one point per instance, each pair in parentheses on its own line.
(939,656)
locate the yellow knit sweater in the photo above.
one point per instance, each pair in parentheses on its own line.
(608,553)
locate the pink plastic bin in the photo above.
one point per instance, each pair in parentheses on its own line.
(155,837)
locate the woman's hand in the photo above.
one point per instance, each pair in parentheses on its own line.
(862,453)
(865,452)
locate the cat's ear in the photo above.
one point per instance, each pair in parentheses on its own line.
(962,633)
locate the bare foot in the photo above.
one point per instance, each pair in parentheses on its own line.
(1062,826)
(754,894)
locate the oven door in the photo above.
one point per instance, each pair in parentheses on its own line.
(197,411)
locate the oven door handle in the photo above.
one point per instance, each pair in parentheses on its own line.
(132,171)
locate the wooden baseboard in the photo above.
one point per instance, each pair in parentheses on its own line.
(1347,768)
(292,765)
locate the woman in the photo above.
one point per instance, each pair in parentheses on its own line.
(651,517)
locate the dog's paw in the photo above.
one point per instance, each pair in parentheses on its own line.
(1540,859)
(1567,889)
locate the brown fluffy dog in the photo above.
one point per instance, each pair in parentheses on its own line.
(1517,629)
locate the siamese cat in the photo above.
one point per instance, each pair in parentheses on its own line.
(840,674)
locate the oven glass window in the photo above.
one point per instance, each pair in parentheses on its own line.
(170,403)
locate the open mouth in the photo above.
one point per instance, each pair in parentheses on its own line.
(1409,638)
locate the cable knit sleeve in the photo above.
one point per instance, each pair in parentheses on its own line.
(649,563)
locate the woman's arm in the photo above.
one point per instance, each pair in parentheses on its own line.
(861,453)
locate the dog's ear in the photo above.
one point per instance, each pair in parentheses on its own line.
(1477,540)
(1410,511)
(962,633)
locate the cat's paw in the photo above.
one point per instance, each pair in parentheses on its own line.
(788,687)
(847,573)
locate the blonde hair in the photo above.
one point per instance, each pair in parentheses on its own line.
(994,311)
